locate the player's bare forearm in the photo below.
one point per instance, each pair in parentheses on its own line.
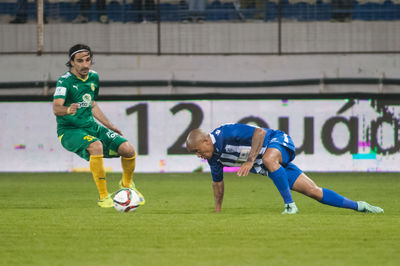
(218,188)
(100,116)
(256,145)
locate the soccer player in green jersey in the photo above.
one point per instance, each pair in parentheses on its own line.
(75,108)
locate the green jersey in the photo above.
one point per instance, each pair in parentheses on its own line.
(82,92)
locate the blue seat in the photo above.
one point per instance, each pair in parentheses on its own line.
(8,8)
(129,13)
(230,13)
(286,9)
(169,12)
(323,10)
(301,11)
(214,11)
(183,10)
(68,11)
(271,11)
(115,11)
(390,10)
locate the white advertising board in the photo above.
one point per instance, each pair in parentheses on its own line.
(330,135)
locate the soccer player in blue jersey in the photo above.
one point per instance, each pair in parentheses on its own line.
(267,152)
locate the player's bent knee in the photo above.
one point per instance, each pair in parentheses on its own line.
(270,162)
(95,148)
(126,150)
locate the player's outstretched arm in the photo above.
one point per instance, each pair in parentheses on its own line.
(60,110)
(256,144)
(218,188)
(99,115)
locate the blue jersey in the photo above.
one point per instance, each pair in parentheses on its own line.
(232,145)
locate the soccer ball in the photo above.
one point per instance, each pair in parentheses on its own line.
(126,200)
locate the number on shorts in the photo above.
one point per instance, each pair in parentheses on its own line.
(88,138)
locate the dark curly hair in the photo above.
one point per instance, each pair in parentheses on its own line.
(77,48)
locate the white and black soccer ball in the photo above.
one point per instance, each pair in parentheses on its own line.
(126,200)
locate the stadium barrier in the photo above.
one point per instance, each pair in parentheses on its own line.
(45,89)
(218,10)
(231,27)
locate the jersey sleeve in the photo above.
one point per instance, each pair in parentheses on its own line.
(217,172)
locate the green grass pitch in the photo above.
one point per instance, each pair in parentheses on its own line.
(53,219)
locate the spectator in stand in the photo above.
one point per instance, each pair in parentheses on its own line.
(21,15)
(342,10)
(144,10)
(196,10)
(84,7)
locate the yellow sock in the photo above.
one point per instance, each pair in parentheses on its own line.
(99,174)
(128,166)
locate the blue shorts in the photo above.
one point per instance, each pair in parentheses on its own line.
(293,172)
(285,145)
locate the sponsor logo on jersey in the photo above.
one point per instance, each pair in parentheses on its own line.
(75,86)
(92,86)
(244,154)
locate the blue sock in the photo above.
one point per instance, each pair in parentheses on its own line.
(282,184)
(332,198)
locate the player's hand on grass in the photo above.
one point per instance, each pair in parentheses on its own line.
(245,169)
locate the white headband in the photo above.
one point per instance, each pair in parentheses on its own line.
(81,50)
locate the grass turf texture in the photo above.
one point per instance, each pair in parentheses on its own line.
(53,219)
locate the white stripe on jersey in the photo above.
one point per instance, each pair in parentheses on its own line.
(229,156)
(66,75)
(212,138)
(231,164)
(237,162)
(258,162)
(234,148)
(257,168)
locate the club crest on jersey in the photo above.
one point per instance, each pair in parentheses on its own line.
(87,98)
(92,86)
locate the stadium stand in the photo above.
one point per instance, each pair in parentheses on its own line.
(216,10)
